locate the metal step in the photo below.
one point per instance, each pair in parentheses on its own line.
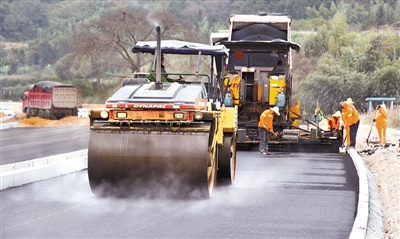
(292,135)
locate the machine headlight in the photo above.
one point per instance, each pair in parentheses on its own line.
(198,115)
(179,115)
(122,115)
(104,114)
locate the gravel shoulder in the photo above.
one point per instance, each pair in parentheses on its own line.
(384,166)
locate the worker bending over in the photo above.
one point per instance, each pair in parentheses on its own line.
(266,125)
(351,121)
(336,124)
(381,123)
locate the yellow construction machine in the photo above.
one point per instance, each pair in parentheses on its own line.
(173,135)
(258,76)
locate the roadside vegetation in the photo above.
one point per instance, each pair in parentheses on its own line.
(349,49)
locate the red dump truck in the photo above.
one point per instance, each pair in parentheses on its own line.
(51,100)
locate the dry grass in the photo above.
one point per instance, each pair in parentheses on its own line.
(393,118)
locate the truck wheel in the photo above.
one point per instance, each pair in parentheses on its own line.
(46,114)
(41,114)
(28,113)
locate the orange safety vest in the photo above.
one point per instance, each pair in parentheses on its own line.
(266,119)
(381,118)
(350,115)
(335,122)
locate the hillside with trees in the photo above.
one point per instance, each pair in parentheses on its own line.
(349,48)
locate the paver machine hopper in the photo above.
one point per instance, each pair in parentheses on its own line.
(173,135)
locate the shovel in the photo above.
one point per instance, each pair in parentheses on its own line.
(371,129)
(370,133)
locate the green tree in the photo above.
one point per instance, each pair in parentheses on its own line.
(326,91)
(4,69)
(42,53)
(325,13)
(338,29)
(312,12)
(380,16)
(24,20)
(396,16)
(4,11)
(355,87)
(313,46)
(324,85)
(391,44)
(386,82)
(357,15)
(14,27)
(11,59)
(63,68)
(373,55)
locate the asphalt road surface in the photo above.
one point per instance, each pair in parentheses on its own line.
(284,195)
(26,143)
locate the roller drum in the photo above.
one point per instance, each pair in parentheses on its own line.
(137,161)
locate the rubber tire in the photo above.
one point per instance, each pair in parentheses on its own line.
(212,170)
(41,114)
(46,114)
(227,160)
(28,113)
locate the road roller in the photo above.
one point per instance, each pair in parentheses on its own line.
(173,138)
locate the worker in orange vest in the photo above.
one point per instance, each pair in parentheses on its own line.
(336,124)
(351,121)
(265,125)
(381,123)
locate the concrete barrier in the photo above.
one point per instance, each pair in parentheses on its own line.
(359,229)
(17,174)
(8,125)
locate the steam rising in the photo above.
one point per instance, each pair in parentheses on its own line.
(167,192)
(151,17)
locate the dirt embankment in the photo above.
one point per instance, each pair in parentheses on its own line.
(384,164)
(36,121)
(70,120)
